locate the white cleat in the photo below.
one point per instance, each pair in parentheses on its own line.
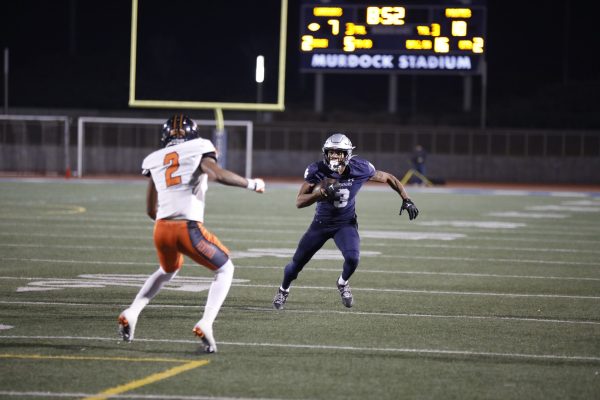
(126,327)
(205,334)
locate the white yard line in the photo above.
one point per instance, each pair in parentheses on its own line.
(455,245)
(257,254)
(76,247)
(61,222)
(460,274)
(315,269)
(312,347)
(46,260)
(13,393)
(366,242)
(435,316)
(438,292)
(344,312)
(495,260)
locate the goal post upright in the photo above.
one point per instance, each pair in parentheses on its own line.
(216,103)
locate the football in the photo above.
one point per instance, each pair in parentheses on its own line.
(324,183)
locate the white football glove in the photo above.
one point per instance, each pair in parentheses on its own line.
(256,185)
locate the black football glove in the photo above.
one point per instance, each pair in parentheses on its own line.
(329,190)
(409,206)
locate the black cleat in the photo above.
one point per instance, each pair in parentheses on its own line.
(280,299)
(346,293)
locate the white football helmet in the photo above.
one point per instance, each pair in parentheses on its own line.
(337,141)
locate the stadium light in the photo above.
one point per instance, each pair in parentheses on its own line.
(260,69)
(260,78)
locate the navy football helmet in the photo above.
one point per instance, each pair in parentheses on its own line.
(338,142)
(178,129)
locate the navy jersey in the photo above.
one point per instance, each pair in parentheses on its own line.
(342,208)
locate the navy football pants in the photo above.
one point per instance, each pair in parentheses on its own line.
(346,239)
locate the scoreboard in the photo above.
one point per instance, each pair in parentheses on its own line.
(448,37)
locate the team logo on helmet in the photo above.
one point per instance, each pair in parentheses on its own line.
(178,129)
(338,142)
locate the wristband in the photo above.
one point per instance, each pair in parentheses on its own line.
(251,184)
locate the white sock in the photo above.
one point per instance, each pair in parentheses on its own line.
(218,292)
(341,281)
(284,290)
(151,287)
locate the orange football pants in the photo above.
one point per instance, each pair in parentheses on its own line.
(174,238)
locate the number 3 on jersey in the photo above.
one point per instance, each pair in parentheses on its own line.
(173,160)
(341,198)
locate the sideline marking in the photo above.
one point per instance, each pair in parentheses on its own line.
(147,380)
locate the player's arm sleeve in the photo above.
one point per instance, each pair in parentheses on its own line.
(312,174)
(146,168)
(371,168)
(211,154)
(147,165)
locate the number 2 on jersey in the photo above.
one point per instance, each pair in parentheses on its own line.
(173,159)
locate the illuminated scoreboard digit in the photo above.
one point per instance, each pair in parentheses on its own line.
(386,38)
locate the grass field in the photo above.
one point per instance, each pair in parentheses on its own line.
(487,295)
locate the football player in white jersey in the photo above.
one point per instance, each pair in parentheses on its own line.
(175,200)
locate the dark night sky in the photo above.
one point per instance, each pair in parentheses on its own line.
(75,54)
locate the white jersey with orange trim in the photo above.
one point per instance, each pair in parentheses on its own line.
(179,182)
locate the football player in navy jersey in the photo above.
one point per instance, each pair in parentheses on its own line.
(333,184)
